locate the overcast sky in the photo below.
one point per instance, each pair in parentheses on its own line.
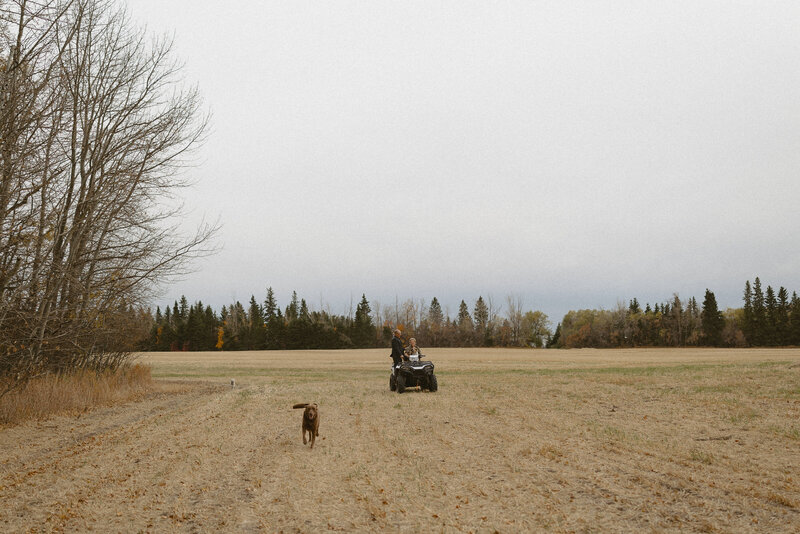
(574,154)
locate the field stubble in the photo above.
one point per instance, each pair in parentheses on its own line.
(514,440)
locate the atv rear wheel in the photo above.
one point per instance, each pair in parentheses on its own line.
(401,383)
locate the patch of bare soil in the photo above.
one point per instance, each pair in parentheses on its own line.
(562,441)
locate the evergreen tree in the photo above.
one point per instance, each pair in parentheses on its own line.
(435,315)
(256,333)
(278,331)
(363,331)
(634,307)
(167,334)
(293,308)
(712,321)
(676,314)
(747,321)
(464,318)
(465,326)
(759,314)
(555,340)
(794,320)
(194,326)
(270,305)
(210,327)
(770,318)
(273,320)
(692,323)
(782,318)
(303,313)
(436,322)
(184,309)
(481,316)
(180,315)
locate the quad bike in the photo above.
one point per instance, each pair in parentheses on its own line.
(412,373)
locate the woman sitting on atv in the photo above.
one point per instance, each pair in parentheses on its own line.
(413,352)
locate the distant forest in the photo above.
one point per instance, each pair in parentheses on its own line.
(266,326)
(768,318)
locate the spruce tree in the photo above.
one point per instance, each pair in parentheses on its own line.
(770,318)
(273,319)
(794,320)
(293,308)
(255,326)
(168,331)
(270,305)
(481,316)
(363,331)
(555,340)
(465,326)
(211,327)
(782,318)
(184,309)
(436,320)
(712,321)
(194,326)
(435,315)
(464,318)
(759,314)
(747,322)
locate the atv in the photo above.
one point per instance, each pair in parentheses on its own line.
(412,373)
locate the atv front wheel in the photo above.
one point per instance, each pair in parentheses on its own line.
(401,383)
(392,382)
(433,384)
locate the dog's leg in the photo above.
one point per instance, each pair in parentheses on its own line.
(312,438)
(304,436)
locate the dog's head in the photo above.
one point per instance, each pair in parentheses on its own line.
(310,412)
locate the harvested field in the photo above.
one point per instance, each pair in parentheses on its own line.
(514,440)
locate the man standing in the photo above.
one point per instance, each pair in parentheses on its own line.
(397,348)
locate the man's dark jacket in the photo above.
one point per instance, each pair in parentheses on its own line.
(397,350)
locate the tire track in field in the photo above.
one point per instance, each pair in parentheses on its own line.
(36,456)
(633,482)
(60,481)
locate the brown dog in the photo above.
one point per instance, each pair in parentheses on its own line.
(310,421)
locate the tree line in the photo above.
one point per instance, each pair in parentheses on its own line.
(265,325)
(94,125)
(768,318)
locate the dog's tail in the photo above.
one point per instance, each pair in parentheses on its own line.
(300,405)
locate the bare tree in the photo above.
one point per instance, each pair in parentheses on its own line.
(493,311)
(95,129)
(515,314)
(410,314)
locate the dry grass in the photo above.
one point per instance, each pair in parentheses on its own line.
(74,392)
(562,441)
